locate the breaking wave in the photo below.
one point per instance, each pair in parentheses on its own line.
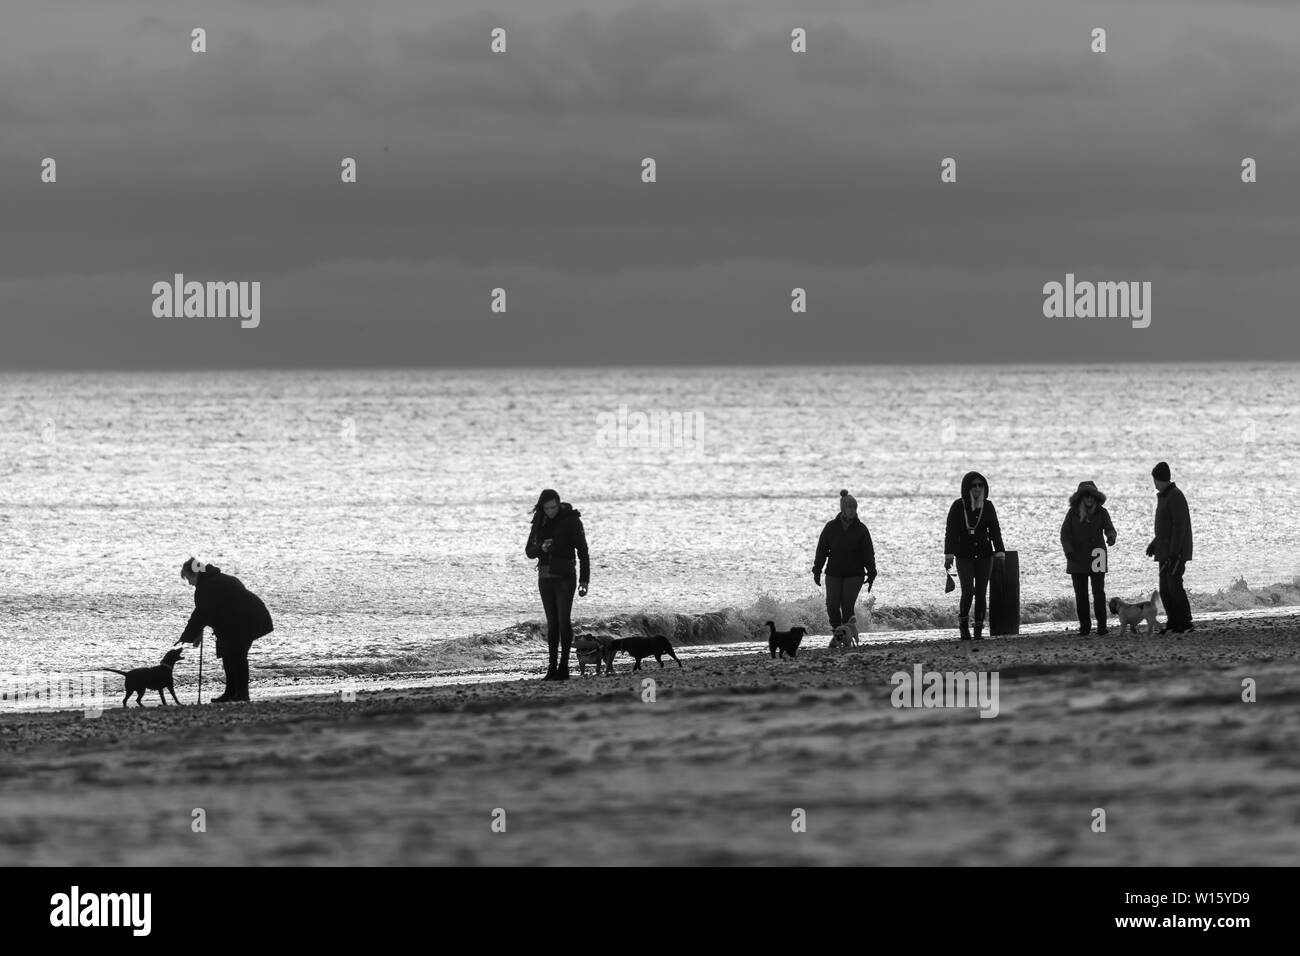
(506,648)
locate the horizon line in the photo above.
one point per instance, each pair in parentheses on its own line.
(596,367)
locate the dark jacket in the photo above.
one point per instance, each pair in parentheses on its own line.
(1080,538)
(849,550)
(234,613)
(568,540)
(987,538)
(1173,525)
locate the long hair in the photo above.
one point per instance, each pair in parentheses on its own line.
(539,515)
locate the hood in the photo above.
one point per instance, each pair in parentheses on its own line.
(969,479)
(1088,488)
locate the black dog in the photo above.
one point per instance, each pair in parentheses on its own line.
(787,642)
(151,678)
(640,647)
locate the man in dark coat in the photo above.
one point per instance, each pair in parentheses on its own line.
(1172,549)
(236,615)
(846,552)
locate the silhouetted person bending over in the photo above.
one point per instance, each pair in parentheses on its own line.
(236,615)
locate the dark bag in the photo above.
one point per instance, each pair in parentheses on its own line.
(950,586)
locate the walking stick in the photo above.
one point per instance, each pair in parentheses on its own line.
(201,643)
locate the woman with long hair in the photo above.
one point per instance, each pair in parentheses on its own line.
(558,542)
(973,539)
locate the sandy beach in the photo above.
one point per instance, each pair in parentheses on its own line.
(1155,732)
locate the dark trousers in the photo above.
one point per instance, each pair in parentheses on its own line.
(1178,609)
(234,659)
(1098,599)
(557,599)
(973,573)
(842,597)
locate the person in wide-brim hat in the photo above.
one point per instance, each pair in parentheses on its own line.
(1087,488)
(1086,533)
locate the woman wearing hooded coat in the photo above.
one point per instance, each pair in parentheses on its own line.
(972,540)
(555,539)
(1085,534)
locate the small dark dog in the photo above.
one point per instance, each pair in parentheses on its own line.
(787,642)
(151,678)
(639,647)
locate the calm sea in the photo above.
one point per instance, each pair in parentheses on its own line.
(382,515)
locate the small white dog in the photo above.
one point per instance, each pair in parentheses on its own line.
(1130,614)
(846,635)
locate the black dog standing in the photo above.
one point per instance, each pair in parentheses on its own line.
(236,615)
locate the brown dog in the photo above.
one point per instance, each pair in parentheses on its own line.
(846,635)
(1130,614)
(594,649)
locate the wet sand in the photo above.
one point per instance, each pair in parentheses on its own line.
(1155,732)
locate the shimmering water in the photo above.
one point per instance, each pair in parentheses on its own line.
(382,515)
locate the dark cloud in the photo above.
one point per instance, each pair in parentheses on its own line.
(776,170)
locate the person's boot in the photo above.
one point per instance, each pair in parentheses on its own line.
(241,688)
(226,697)
(563,672)
(979,627)
(964,625)
(550,672)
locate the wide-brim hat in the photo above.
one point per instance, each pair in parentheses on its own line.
(1087,488)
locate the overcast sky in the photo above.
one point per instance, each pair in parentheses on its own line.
(522,170)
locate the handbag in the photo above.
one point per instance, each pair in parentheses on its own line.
(950,586)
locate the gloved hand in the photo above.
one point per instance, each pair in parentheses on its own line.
(1110,541)
(817,578)
(947,562)
(1151,549)
(871,578)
